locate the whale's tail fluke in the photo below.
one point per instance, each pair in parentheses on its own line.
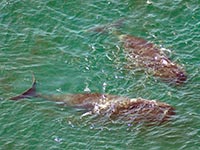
(107,28)
(31,92)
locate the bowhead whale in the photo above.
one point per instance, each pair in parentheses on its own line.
(135,110)
(146,55)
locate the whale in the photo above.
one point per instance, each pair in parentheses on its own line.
(145,55)
(134,110)
(149,57)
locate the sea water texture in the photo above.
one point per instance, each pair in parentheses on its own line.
(49,38)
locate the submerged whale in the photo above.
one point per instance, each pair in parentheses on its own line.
(146,55)
(135,110)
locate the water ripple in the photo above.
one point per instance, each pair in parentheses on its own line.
(49,38)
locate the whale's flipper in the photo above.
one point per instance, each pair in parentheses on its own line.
(31,92)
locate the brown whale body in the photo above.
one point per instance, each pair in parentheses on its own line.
(116,107)
(147,55)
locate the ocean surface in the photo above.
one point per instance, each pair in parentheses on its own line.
(54,40)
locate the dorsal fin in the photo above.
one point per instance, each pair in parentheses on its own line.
(31,92)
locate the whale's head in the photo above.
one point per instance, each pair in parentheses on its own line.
(170,71)
(181,77)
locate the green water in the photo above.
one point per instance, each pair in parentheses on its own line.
(48,38)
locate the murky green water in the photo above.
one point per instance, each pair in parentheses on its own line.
(48,38)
